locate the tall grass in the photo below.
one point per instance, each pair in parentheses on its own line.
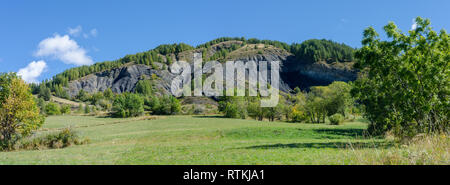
(421,150)
(59,139)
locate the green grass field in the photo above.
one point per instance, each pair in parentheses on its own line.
(201,140)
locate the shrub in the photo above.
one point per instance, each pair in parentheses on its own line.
(61,139)
(87,109)
(336,119)
(128,105)
(52,109)
(164,105)
(66,109)
(298,115)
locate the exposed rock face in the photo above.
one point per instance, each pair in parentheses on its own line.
(120,80)
(320,73)
(293,73)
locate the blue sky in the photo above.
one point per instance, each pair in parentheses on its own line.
(44,38)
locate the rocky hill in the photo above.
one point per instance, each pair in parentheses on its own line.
(124,74)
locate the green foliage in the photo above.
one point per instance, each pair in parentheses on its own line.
(80,108)
(323,101)
(60,139)
(340,100)
(41,105)
(163,105)
(87,109)
(52,109)
(60,92)
(108,94)
(404,85)
(144,87)
(322,50)
(233,107)
(66,109)
(336,119)
(19,115)
(82,95)
(44,93)
(128,105)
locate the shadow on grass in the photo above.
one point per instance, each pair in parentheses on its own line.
(336,145)
(348,132)
(208,116)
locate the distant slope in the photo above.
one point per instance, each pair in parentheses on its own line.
(313,62)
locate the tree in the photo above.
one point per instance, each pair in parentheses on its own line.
(108,94)
(404,82)
(165,105)
(339,98)
(82,95)
(298,110)
(233,107)
(317,103)
(52,109)
(254,108)
(19,115)
(44,93)
(144,87)
(66,109)
(128,105)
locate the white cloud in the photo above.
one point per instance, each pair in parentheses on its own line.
(414,25)
(94,32)
(64,49)
(32,71)
(75,31)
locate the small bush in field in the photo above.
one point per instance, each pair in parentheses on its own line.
(60,139)
(336,119)
(66,109)
(52,109)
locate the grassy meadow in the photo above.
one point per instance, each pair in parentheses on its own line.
(217,140)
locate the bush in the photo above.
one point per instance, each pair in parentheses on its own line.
(61,139)
(164,105)
(87,109)
(52,109)
(66,109)
(128,105)
(336,119)
(298,115)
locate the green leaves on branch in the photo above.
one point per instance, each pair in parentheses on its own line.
(404,82)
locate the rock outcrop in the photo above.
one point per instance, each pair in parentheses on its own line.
(293,73)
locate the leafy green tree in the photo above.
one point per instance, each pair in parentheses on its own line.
(19,115)
(144,87)
(87,109)
(80,108)
(60,92)
(66,109)
(339,98)
(404,85)
(298,109)
(96,98)
(254,108)
(233,107)
(82,96)
(52,109)
(128,105)
(165,105)
(317,103)
(108,94)
(45,93)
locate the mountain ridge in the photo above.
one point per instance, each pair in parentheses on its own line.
(318,62)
